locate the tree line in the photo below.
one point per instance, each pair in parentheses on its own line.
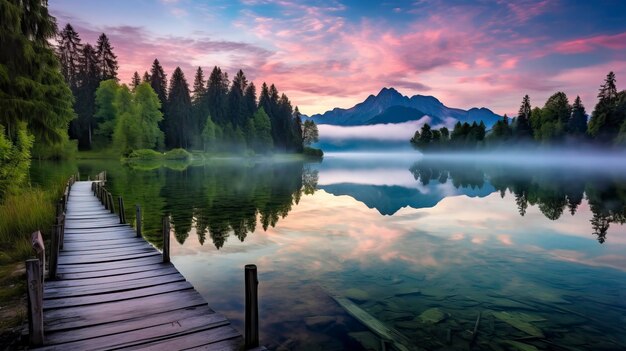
(214,114)
(557,122)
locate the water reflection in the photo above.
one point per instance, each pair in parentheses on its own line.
(552,190)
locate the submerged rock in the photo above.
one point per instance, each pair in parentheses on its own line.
(520,322)
(432,315)
(317,322)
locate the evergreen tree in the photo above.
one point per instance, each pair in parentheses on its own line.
(426,135)
(158,82)
(264,98)
(69,52)
(89,79)
(577,124)
(209,135)
(606,118)
(297,137)
(522,129)
(107,61)
(249,98)
(135,81)
(445,134)
(32,88)
(217,93)
(554,118)
(199,108)
(146,77)
(237,108)
(178,117)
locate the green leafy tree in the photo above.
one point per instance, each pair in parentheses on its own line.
(14,159)
(310,134)
(107,61)
(105,109)
(209,135)
(263,132)
(148,110)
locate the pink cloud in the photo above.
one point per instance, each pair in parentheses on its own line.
(613,42)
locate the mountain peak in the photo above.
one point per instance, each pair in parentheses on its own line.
(388,91)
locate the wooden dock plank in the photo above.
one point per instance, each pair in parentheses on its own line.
(115,292)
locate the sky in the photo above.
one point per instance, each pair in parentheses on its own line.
(326,54)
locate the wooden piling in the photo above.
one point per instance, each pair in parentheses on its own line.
(166,239)
(54,252)
(36,241)
(252,307)
(138,220)
(35,302)
(120,207)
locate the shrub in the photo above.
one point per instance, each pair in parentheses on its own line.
(145,154)
(178,154)
(313,152)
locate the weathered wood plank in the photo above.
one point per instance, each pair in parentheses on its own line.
(65,260)
(197,339)
(79,268)
(145,321)
(179,327)
(114,272)
(83,316)
(83,290)
(111,279)
(109,252)
(89,299)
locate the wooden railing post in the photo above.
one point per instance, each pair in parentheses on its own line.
(120,207)
(166,239)
(61,225)
(110,200)
(252,307)
(138,219)
(35,302)
(36,241)
(54,252)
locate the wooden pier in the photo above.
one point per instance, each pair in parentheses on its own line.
(110,289)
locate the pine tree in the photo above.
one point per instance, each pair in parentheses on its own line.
(577,124)
(608,90)
(249,98)
(69,51)
(32,88)
(297,142)
(177,120)
(217,94)
(606,118)
(199,108)
(522,128)
(107,61)
(236,104)
(263,132)
(135,81)
(146,77)
(264,98)
(89,80)
(158,82)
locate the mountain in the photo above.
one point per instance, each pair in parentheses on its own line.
(389,106)
(397,114)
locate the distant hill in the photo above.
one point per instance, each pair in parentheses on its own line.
(389,106)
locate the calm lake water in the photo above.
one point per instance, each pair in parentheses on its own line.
(423,245)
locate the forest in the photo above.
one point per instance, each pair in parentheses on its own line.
(556,123)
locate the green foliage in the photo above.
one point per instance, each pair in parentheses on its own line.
(144,154)
(106,111)
(177,123)
(209,135)
(14,159)
(313,152)
(310,134)
(262,142)
(177,154)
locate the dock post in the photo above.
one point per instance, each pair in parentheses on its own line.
(36,241)
(166,239)
(138,219)
(111,206)
(252,307)
(54,252)
(120,207)
(35,302)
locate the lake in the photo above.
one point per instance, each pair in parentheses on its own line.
(421,244)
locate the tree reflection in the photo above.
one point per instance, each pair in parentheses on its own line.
(217,199)
(551,190)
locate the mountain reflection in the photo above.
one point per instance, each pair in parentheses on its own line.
(552,190)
